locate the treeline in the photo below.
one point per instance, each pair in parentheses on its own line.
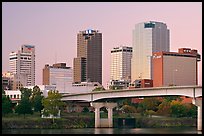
(167,106)
(32,101)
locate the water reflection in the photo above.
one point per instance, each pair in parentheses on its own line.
(103,131)
(185,130)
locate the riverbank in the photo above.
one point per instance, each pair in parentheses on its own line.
(86,120)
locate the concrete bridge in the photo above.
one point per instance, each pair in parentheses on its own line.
(189,91)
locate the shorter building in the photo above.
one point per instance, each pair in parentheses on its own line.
(175,68)
(11,81)
(142,83)
(118,84)
(13,94)
(7,80)
(58,74)
(121,63)
(83,87)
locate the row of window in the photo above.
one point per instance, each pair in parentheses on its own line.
(15,96)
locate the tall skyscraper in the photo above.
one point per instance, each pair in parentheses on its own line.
(121,63)
(22,64)
(88,64)
(148,37)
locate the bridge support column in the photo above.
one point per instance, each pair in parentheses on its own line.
(110,107)
(198,103)
(97,106)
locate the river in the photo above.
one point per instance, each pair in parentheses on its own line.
(184,130)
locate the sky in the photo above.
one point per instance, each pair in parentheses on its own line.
(52,27)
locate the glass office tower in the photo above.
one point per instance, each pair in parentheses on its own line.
(148,37)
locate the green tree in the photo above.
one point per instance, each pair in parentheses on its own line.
(150,103)
(24,106)
(178,109)
(191,110)
(36,99)
(52,103)
(85,109)
(25,92)
(6,104)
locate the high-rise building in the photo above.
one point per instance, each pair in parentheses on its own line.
(58,74)
(88,64)
(148,37)
(175,68)
(121,63)
(22,65)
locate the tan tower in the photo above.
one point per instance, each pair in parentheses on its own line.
(88,64)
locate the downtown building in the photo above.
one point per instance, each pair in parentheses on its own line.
(58,75)
(120,67)
(88,64)
(175,68)
(7,80)
(148,37)
(22,66)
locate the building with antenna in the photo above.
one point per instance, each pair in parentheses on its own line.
(88,64)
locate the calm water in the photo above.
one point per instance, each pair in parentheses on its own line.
(185,130)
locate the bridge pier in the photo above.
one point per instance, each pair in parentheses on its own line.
(198,103)
(98,121)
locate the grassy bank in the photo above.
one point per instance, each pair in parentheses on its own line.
(86,120)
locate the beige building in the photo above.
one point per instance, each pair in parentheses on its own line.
(88,64)
(121,63)
(172,68)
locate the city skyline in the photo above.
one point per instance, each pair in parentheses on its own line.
(52,28)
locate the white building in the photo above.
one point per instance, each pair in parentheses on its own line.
(13,94)
(22,65)
(148,37)
(121,63)
(58,75)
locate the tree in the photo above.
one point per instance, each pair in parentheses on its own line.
(150,103)
(178,109)
(164,108)
(6,104)
(129,109)
(52,103)
(25,92)
(24,106)
(192,110)
(85,109)
(36,99)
